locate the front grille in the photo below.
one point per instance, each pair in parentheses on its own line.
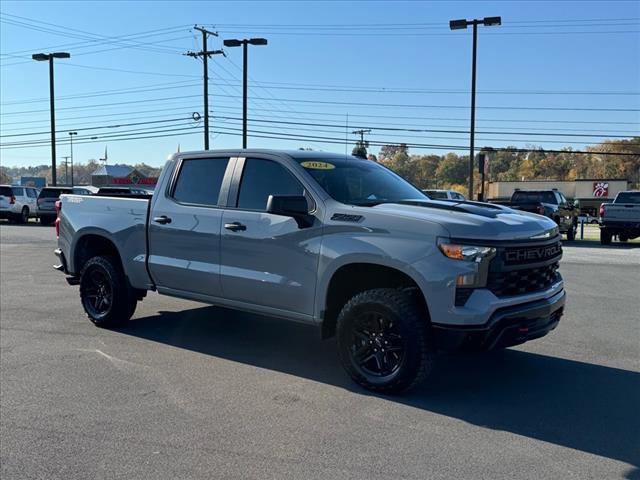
(519,282)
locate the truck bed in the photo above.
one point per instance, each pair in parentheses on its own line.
(121,219)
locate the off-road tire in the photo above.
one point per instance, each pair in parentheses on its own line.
(605,237)
(408,319)
(122,301)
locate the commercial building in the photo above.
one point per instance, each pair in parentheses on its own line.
(590,192)
(109,175)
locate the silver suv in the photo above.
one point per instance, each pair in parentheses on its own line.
(18,203)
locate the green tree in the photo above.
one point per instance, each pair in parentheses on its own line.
(453,169)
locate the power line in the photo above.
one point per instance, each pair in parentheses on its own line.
(365,127)
(333,140)
(103,93)
(361,104)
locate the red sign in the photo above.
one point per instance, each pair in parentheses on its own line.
(600,189)
(135,180)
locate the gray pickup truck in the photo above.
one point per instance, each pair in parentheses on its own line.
(621,218)
(330,240)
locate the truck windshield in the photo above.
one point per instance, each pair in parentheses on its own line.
(628,197)
(359,182)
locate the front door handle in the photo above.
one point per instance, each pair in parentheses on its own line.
(235,227)
(162,220)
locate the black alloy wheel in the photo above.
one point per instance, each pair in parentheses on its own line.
(377,347)
(98,293)
(105,293)
(384,340)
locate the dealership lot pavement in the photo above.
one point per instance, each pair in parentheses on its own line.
(193,391)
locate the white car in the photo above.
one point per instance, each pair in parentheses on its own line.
(586,218)
(444,195)
(18,203)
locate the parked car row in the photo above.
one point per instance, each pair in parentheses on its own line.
(19,203)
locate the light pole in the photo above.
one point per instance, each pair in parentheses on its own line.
(41,57)
(245,42)
(71,134)
(458,25)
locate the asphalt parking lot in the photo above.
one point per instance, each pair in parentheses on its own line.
(193,391)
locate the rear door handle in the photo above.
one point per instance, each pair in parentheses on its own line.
(162,220)
(235,227)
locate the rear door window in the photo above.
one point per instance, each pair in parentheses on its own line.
(262,178)
(18,191)
(53,192)
(199,181)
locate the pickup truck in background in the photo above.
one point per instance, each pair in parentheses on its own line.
(329,240)
(621,218)
(550,203)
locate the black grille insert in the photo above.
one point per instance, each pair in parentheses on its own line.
(522,281)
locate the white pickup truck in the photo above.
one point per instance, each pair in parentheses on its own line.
(621,218)
(330,240)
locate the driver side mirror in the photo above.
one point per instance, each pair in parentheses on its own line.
(295,206)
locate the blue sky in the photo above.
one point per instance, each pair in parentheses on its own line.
(330,67)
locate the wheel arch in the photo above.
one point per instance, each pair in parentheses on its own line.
(92,243)
(351,278)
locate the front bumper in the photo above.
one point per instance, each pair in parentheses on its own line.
(507,326)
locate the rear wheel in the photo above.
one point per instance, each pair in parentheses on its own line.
(383,340)
(105,293)
(24,215)
(605,237)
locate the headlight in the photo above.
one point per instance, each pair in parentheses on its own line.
(479,256)
(470,253)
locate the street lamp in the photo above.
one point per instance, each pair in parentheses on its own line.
(41,57)
(244,43)
(71,134)
(458,25)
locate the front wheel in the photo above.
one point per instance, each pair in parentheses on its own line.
(383,340)
(106,296)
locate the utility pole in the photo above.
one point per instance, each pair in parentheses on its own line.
(361,133)
(66,170)
(205,54)
(71,134)
(361,146)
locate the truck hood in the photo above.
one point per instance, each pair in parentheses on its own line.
(474,220)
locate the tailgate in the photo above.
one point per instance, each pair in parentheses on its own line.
(624,212)
(5,202)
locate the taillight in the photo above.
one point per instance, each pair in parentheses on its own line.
(58,205)
(602,210)
(13,200)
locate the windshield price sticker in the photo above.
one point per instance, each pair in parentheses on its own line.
(318,165)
